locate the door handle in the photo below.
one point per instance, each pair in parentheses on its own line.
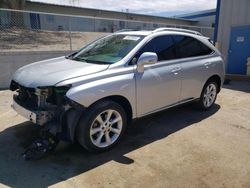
(176,70)
(207,64)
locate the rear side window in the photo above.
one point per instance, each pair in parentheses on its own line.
(163,46)
(190,47)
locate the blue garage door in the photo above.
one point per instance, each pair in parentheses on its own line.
(239,50)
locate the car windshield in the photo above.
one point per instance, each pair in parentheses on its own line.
(108,50)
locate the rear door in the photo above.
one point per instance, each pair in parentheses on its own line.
(195,63)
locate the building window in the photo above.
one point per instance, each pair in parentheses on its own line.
(50,18)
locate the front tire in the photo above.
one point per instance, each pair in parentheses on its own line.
(208,95)
(102,126)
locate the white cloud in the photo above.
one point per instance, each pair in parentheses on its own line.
(155,7)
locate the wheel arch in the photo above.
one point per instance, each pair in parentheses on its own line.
(121,100)
(217,79)
(73,116)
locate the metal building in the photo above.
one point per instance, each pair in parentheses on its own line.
(203,18)
(232,34)
(90,12)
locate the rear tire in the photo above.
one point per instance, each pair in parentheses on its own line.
(102,126)
(208,95)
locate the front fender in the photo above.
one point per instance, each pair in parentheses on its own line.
(88,93)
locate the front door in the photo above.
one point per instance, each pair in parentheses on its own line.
(160,84)
(239,50)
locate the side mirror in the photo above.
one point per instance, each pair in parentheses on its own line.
(147,58)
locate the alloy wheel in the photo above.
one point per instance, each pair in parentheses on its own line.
(209,95)
(106,128)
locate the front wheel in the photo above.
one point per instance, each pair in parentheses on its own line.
(208,95)
(102,126)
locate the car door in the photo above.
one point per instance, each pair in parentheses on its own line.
(195,60)
(160,84)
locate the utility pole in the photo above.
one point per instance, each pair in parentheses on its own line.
(127,17)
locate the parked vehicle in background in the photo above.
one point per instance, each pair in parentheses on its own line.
(92,94)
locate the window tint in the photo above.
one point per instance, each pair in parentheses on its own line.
(190,47)
(163,46)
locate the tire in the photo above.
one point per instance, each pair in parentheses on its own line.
(96,132)
(208,95)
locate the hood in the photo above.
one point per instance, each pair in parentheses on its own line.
(52,71)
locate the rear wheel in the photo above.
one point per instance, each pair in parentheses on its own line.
(208,95)
(102,126)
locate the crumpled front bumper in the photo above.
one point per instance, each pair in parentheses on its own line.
(37,117)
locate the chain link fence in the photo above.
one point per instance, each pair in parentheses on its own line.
(33,31)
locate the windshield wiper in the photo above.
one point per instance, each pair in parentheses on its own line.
(80,59)
(70,55)
(91,61)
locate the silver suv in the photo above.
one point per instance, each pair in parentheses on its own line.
(92,94)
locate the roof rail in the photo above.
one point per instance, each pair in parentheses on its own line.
(177,29)
(124,30)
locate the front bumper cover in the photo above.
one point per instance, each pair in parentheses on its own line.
(37,117)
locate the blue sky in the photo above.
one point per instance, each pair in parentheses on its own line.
(151,7)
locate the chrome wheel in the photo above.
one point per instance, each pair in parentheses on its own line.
(209,95)
(106,128)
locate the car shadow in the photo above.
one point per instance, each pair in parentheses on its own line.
(70,161)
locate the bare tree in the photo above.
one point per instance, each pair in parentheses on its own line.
(13,4)
(16,17)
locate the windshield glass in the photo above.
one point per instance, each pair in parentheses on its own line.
(108,50)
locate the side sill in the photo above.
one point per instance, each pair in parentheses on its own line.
(169,106)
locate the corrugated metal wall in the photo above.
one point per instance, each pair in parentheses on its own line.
(232,13)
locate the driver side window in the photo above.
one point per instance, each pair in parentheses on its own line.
(163,46)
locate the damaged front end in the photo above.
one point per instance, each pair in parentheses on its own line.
(52,110)
(40,105)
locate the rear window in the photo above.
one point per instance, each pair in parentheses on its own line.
(190,47)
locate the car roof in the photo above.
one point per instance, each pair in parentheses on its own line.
(160,30)
(172,31)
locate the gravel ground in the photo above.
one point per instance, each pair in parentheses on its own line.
(180,147)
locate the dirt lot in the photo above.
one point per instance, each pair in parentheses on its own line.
(180,147)
(38,40)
